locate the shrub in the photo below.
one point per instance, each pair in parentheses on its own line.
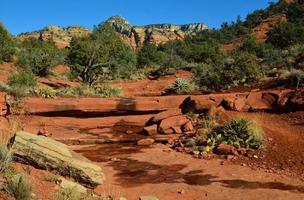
(44,92)
(7,46)
(101,56)
(85,90)
(148,55)
(23,79)
(39,56)
(21,84)
(239,133)
(286,34)
(293,78)
(18,187)
(6,157)
(181,86)
(70,194)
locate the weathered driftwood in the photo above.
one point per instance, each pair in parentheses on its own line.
(49,154)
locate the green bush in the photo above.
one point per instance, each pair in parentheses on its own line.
(149,55)
(70,194)
(6,157)
(97,91)
(7,46)
(21,84)
(181,86)
(44,92)
(286,34)
(239,133)
(101,56)
(233,70)
(39,56)
(293,78)
(18,187)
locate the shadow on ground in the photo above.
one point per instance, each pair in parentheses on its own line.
(132,173)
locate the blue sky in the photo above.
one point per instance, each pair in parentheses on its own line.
(28,15)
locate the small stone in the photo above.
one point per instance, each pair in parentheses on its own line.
(226,149)
(255,156)
(244,165)
(151,130)
(150,197)
(182,191)
(145,142)
(122,198)
(168,131)
(129,132)
(202,131)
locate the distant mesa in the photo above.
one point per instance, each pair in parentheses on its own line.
(135,36)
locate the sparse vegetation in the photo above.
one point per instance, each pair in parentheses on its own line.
(6,157)
(101,56)
(237,132)
(7,46)
(71,194)
(39,56)
(181,86)
(18,187)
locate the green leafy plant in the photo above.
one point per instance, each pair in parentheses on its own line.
(71,194)
(86,90)
(181,86)
(239,133)
(39,56)
(21,84)
(7,46)
(44,92)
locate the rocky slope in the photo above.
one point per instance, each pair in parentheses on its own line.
(135,36)
(61,36)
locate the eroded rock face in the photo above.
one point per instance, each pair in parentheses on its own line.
(135,36)
(49,154)
(61,36)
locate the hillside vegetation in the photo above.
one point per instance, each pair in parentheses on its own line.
(103,55)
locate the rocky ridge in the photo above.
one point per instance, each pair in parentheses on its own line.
(135,36)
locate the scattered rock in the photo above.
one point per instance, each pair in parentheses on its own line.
(173,122)
(129,132)
(44,132)
(145,142)
(202,131)
(182,191)
(188,127)
(177,130)
(166,114)
(226,149)
(168,131)
(151,130)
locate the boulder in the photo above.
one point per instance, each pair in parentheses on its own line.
(145,142)
(49,154)
(166,114)
(200,103)
(168,131)
(173,122)
(151,130)
(256,102)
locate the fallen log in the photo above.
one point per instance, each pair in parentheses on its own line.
(52,155)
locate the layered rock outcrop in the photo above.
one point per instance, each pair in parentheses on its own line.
(135,36)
